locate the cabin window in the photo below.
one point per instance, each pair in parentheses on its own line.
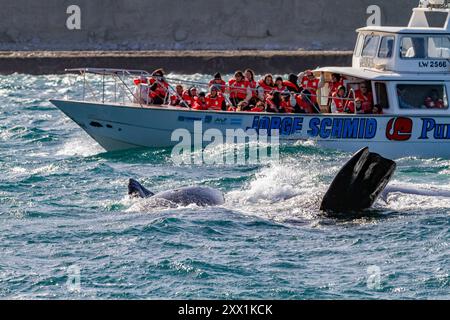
(420,96)
(439,47)
(413,48)
(382,95)
(434,47)
(386,47)
(370,46)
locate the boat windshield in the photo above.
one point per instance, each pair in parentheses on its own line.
(370,45)
(386,47)
(425,47)
(421,96)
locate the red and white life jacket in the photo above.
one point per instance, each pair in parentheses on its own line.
(366,102)
(188,98)
(199,105)
(161,89)
(214,103)
(338,103)
(312,86)
(304,104)
(238,89)
(334,86)
(222,84)
(263,89)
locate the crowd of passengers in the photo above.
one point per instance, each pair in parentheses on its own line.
(297,94)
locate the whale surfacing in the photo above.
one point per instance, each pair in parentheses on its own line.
(201,196)
(355,188)
(359,183)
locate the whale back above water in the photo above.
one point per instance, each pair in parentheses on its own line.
(201,196)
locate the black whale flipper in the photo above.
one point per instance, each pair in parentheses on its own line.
(359,183)
(137,190)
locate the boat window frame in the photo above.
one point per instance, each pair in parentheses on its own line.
(438,37)
(381,45)
(427,38)
(418,83)
(359,44)
(377,46)
(376,96)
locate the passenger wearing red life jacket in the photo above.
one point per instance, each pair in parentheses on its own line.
(250,77)
(305,103)
(288,102)
(215,100)
(366,98)
(238,88)
(309,82)
(434,101)
(200,102)
(217,81)
(338,101)
(189,97)
(175,99)
(265,86)
(260,107)
(291,84)
(279,87)
(355,107)
(274,102)
(158,87)
(242,106)
(336,82)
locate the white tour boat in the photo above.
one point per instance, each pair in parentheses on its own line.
(403,65)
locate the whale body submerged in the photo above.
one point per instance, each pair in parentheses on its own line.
(201,196)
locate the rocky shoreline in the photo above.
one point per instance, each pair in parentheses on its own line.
(55,62)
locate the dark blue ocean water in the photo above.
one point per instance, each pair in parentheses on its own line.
(63,207)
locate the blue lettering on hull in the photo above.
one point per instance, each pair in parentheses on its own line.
(343,128)
(284,125)
(439,131)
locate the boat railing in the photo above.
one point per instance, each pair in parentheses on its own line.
(119,86)
(115,84)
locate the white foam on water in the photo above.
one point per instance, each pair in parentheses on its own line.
(280,192)
(407,196)
(80,146)
(403,202)
(153,205)
(19,171)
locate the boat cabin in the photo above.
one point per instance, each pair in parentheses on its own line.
(408,68)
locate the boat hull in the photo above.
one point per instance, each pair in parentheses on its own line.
(120,127)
